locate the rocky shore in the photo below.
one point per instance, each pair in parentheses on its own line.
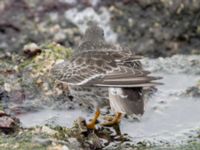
(26,89)
(149,27)
(35,35)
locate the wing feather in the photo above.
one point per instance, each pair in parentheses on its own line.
(105,68)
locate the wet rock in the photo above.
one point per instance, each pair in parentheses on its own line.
(41,141)
(79,136)
(193,91)
(29,139)
(74,142)
(48,130)
(82,125)
(8,124)
(60,37)
(31,49)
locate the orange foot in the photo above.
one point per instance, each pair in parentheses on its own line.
(92,123)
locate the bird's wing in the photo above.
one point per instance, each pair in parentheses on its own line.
(105,68)
(127,77)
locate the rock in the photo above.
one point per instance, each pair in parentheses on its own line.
(156,28)
(7,87)
(41,141)
(193,91)
(8,124)
(48,130)
(82,125)
(31,49)
(60,37)
(32,22)
(65,148)
(74,142)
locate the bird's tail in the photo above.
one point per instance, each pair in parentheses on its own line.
(127,100)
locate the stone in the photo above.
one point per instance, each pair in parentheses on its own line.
(48,130)
(31,49)
(8,124)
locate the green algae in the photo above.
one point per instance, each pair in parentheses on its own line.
(45,137)
(50,54)
(1,107)
(20,141)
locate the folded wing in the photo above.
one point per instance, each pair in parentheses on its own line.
(105,68)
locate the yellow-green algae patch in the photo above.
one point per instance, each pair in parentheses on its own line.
(20,141)
(50,54)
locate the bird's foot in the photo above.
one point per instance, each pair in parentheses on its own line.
(108,118)
(92,123)
(112,121)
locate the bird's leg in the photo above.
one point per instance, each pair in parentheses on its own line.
(115,121)
(92,123)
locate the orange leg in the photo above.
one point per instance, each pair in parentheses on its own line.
(92,123)
(114,121)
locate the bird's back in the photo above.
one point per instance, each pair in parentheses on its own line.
(97,65)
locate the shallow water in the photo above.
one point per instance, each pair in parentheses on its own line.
(168,116)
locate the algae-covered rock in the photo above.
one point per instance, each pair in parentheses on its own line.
(22,140)
(48,137)
(53,138)
(80,136)
(27,80)
(74,138)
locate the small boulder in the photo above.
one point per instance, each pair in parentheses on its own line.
(8,124)
(31,49)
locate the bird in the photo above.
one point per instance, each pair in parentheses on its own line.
(100,73)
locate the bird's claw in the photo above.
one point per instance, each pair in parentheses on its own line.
(112,121)
(91,125)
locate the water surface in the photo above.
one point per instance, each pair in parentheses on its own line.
(168,116)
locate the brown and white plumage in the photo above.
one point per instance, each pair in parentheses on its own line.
(101,67)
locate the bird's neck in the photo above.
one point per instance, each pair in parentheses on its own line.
(92,45)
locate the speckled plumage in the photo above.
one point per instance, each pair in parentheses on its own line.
(97,66)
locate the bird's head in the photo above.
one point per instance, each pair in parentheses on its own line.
(93,39)
(94,33)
